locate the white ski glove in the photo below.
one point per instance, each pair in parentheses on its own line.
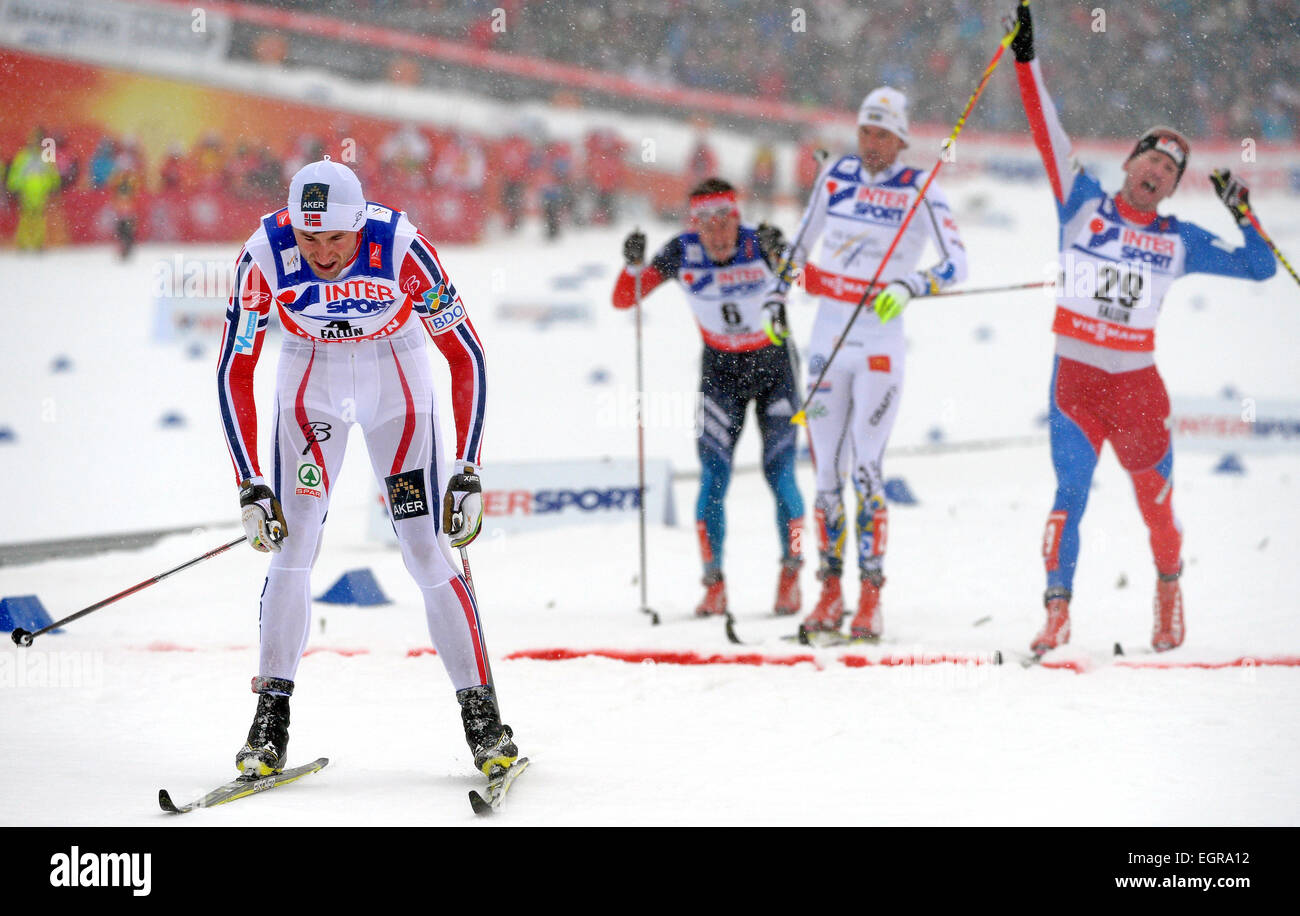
(262,516)
(462,507)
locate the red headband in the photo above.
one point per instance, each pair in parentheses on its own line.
(703,204)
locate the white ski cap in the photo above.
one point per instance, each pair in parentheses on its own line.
(885,108)
(326,196)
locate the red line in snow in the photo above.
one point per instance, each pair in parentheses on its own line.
(1247,661)
(662,657)
(894,661)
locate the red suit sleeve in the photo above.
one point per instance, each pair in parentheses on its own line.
(625,287)
(241,345)
(435,300)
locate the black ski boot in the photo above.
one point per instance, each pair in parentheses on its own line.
(490,741)
(267,747)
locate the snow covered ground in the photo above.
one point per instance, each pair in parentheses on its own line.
(162,676)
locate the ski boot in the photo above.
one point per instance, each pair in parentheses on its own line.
(829,612)
(715,597)
(1168,630)
(788,597)
(1056,632)
(869,622)
(491,742)
(267,747)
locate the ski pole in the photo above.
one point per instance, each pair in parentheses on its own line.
(992,289)
(1250,215)
(640,452)
(469,580)
(23,638)
(469,583)
(801,416)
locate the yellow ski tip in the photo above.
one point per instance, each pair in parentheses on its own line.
(799,419)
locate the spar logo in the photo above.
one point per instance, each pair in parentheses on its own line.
(515,503)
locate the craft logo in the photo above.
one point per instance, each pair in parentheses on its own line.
(375,254)
(877,363)
(315,197)
(406,495)
(103,869)
(879,413)
(309,476)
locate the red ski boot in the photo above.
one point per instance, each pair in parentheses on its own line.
(788,597)
(714,602)
(829,612)
(1168,631)
(1056,632)
(869,622)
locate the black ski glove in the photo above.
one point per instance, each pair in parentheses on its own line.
(1233,193)
(634,248)
(772,242)
(1023,44)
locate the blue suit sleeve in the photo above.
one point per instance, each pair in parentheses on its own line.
(1083,188)
(669,259)
(1209,254)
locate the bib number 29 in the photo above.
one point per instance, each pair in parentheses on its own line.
(1116,285)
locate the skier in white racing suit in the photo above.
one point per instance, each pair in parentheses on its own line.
(853,217)
(357,288)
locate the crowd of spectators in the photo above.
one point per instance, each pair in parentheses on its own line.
(111,178)
(1221,70)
